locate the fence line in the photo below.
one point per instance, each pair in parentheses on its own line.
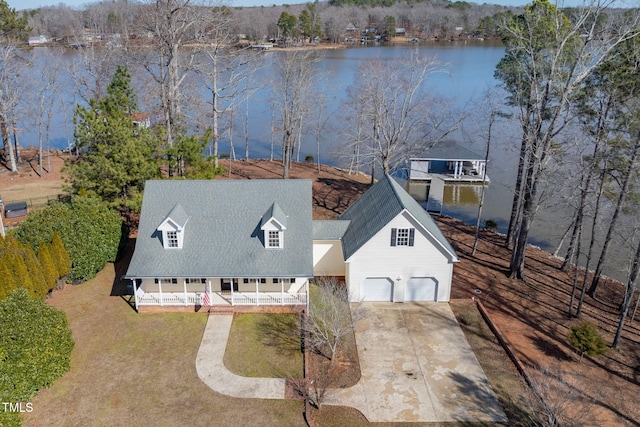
(42,201)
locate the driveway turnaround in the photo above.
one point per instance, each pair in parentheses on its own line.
(416,366)
(211,369)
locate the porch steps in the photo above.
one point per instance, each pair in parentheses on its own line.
(220,310)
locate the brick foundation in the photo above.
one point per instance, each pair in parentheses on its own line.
(223,309)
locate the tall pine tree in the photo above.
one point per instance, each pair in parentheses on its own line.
(119,155)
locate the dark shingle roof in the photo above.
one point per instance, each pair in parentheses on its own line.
(377,207)
(223,237)
(449,150)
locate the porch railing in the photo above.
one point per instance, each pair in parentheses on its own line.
(217,298)
(266,298)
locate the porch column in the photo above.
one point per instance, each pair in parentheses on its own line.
(257,294)
(306,291)
(232,303)
(135,293)
(281,292)
(184,283)
(160,290)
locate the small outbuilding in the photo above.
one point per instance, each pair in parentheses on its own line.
(449,161)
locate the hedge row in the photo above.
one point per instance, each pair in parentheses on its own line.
(90,230)
(20,267)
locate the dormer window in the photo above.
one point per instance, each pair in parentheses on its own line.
(172,239)
(273,239)
(273,224)
(172,228)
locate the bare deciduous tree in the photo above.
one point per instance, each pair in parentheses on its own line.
(329,319)
(172,24)
(227,71)
(10,87)
(293,90)
(46,89)
(562,399)
(389,104)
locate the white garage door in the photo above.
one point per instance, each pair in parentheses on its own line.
(421,289)
(376,289)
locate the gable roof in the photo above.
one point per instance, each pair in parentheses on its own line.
(223,238)
(385,200)
(449,150)
(177,215)
(274,213)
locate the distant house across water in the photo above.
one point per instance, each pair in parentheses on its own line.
(34,41)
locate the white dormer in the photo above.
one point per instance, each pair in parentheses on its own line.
(172,228)
(273,224)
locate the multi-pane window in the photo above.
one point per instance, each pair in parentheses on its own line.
(166,281)
(192,280)
(402,236)
(172,239)
(273,239)
(284,280)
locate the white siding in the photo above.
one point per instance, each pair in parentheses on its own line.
(377,258)
(327,258)
(419,169)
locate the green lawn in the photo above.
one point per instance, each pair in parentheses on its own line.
(265,345)
(130,369)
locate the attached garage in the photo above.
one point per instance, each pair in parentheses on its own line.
(421,289)
(376,289)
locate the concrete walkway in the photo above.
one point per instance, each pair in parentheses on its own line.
(416,366)
(211,369)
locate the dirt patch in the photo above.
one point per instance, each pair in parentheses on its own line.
(533,317)
(333,189)
(30,181)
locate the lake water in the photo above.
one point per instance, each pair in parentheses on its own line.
(468,73)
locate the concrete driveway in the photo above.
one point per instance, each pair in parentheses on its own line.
(416,366)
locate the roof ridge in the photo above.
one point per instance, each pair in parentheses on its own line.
(395,190)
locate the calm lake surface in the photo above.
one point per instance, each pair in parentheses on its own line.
(467,73)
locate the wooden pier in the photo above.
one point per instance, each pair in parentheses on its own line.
(436,195)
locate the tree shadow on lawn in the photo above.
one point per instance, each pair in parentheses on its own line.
(119,287)
(549,348)
(282,332)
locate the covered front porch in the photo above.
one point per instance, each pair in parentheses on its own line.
(221,292)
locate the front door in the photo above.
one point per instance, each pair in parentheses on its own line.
(225,285)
